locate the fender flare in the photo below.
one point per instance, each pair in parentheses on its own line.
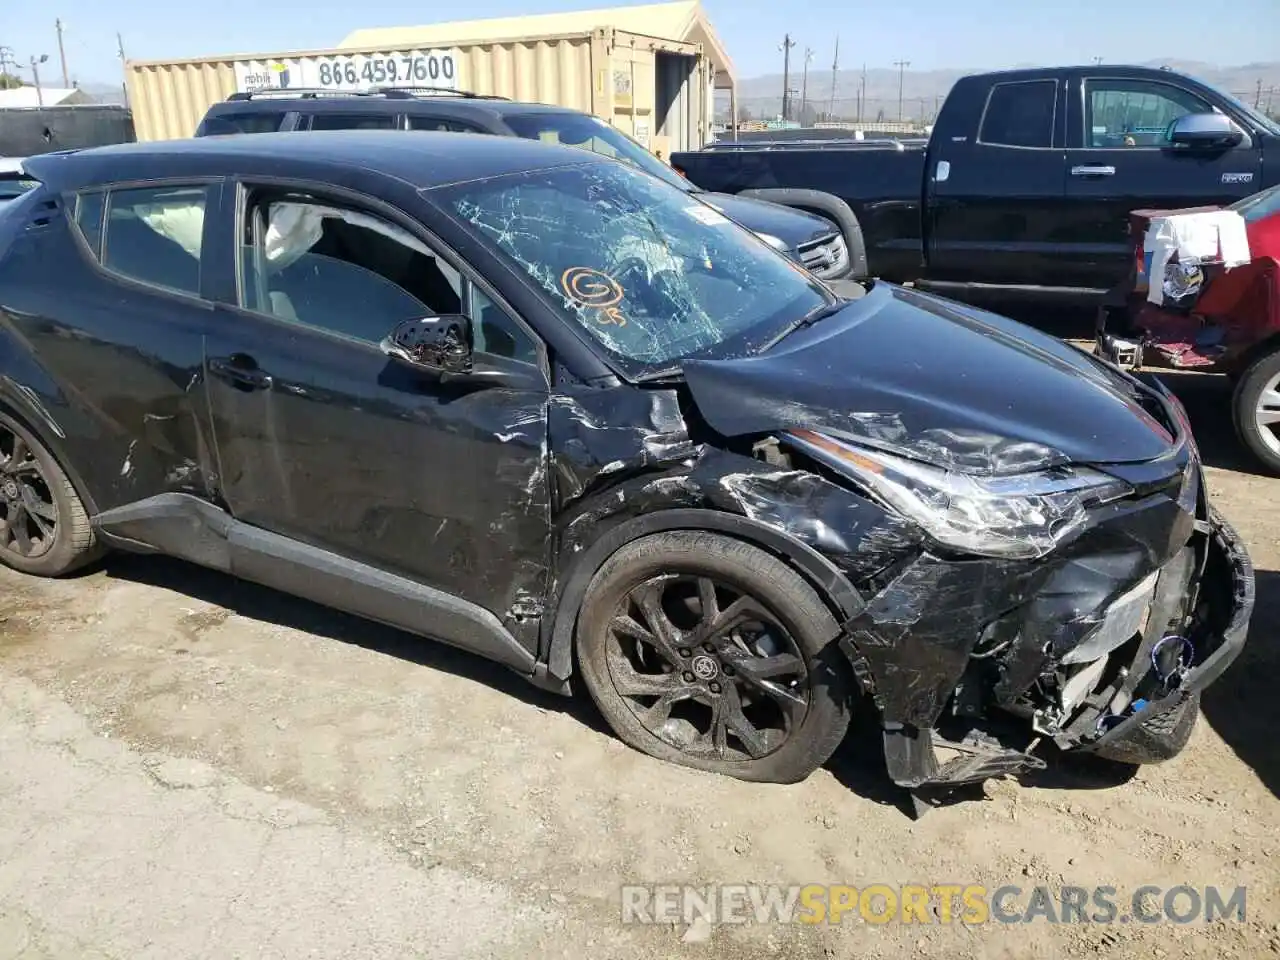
(832,585)
(20,404)
(827,205)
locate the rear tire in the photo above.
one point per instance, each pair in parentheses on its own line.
(1257,398)
(44,527)
(739,674)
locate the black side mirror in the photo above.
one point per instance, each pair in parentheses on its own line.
(441,344)
(1204,131)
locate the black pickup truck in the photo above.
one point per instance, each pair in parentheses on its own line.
(1024,185)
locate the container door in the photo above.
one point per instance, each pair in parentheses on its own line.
(676,108)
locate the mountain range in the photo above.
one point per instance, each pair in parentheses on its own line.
(922,90)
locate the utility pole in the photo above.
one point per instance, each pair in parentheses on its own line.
(1257,96)
(862,93)
(35,75)
(901,65)
(124,86)
(787,44)
(835,69)
(804,84)
(62,55)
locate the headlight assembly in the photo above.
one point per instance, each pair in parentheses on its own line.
(1022,516)
(776,242)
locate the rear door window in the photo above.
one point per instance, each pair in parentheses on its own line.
(263,121)
(153,235)
(1020,114)
(448,124)
(89,211)
(354,121)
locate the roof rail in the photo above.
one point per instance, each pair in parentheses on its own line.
(310,93)
(404,93)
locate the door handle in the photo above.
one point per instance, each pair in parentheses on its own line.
(240,370)
(1087,171)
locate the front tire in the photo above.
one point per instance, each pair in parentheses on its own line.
(44,527)
(1256,410)
(711,653)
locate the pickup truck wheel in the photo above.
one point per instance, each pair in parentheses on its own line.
(1256,410)
(711,653)
(44,528)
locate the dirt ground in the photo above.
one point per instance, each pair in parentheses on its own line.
(193,767)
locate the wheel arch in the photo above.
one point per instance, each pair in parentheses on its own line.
(1259,351)
(832,586)
(16,403)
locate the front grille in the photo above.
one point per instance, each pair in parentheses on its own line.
(826,257)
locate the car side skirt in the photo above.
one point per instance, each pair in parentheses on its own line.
(188,528)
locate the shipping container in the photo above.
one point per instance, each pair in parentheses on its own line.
(656,90)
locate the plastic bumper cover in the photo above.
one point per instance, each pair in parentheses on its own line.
(1161,729)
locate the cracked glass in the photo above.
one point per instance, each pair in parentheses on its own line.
(650,273)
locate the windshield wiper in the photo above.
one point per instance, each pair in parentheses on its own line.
(808,320)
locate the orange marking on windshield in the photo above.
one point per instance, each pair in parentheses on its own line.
(591,288)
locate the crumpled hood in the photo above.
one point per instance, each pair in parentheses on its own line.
(949,384)
(792,227)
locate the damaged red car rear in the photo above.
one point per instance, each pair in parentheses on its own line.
(552,410)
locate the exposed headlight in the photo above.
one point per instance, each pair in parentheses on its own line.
(775,242)
(1023,516)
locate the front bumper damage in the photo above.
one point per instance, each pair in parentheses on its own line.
(1161,728)
(913,646)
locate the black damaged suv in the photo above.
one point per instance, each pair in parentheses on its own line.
(544,407)
(816,232)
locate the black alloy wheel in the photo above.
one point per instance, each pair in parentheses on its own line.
(28,510)
(707,668)
(707,651)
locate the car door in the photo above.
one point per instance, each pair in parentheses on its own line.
(1119,159)
(323,438)
(115,305)
(995,198)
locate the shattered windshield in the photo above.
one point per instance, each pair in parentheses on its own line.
(650,273)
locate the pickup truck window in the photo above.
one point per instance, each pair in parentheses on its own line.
(1020,114)
(1134,113)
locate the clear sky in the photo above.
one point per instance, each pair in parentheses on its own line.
(930,34)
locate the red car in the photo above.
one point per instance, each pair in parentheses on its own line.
(1212,319)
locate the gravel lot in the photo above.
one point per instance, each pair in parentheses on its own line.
(194,767)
